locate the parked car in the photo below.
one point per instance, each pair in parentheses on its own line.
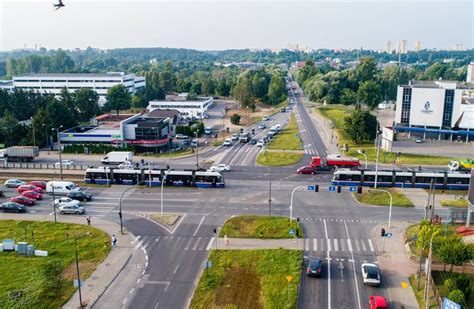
(64,163)
(377,302)
(23,200)
(65,201)
(283,109)
(32,195)
(80,196)
(181,136)
(306,170)
(266,118)
(371,274)
(418,140)
(194,143)
(313,267)
(235,137)
(220,168)
(227,142)
(260,143)
(12,207)
(71,209)
(24,188)
(39,183)
(14,183)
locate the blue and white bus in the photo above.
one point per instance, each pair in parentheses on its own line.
(402,179)
(154,177)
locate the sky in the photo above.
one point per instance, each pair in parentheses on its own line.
(230,24)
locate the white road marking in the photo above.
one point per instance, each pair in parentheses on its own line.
(371,245)
(196,244)
(315,244)
(176,269)
(336,245)
(329,244)
(306,244)
(329,265)
(209,245)
(357,245)
(362,243)
(353,268)
(202,220)
(349,244)
(189,243)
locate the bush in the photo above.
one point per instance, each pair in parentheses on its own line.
(450,285)
(235,119)
(463,283)
(457,296)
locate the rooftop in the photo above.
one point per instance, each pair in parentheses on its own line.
(36,75)
(440,84)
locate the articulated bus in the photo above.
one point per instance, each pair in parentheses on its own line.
(402,179)
(154,177)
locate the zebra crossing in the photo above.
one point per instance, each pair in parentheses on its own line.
(186,243)
(338,245)
(310,151)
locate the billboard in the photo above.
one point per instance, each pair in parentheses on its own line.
(470,194)
(387,138)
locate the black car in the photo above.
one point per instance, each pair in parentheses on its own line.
(253,141)
(313,267)
(80,196)
(12,207)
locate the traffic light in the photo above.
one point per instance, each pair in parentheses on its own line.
(359,190)
(215,231)
(227,129)
(382,233)
(297,232)
(298,220)
(316,188)
(339,189)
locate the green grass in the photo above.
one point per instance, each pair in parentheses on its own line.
(280,158)
(440,276)
(171,154)
(249,279)
(337,113)
(459,203)
(217,143)
(46,282)
(383,199)
(252,226)
(288,138)
(419,293)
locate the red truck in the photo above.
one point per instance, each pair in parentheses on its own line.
(333,162)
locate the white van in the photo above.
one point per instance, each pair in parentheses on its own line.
(61,187)
(117,157)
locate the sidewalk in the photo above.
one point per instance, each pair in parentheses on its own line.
(395,265)
(104,275)
(322,126)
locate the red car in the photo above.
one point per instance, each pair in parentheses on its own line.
(39,183)
(32,195)
(23,200)
(306,170)
(24,188)
(377,302)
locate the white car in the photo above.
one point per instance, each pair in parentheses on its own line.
(220,168)
(227,142)
(371,274)
(265,118)
(74,209)
(14,183)
(260,143)
(65,201)
(262,126)
(125,165)
(67,163)
(235,136)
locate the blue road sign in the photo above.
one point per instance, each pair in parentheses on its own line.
(292,232)
(207,264)
(310,188)
(449,304)
(352,189)
(388,234)
(332,188)
(76,283)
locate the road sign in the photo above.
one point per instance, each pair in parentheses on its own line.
(352,189)
(449,304)
(76,284)
(332,188)
(310,188)
(388,234)
(289,278)
(292,232)
(206,264)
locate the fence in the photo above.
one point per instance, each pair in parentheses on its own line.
(30,165)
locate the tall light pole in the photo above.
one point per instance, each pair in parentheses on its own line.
(291,202)
(46,133)
(120,206)
(54,197)
(270,193)
(77,270)
(377,159)
(33,127)
(59,150)
(161,197)
(389,212)
(197,150)
(362,153)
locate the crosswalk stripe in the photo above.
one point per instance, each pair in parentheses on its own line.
(189,243)
(306,244)
(329,244)
(349,244)
(371,245)
(336,247)
(315,244)
(362,243)
(343,245)
(210,244)
(196,244)
(357,245)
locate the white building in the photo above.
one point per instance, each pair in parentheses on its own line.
(388,47)
(439,107)
(189,108)
(402,47)
(470,73)
(417,45)
(99,82)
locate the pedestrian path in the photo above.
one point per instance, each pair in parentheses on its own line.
(186,243)
(338,245)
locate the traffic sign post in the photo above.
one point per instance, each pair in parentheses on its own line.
(292,232)
(310,188)
(352,189)
(388,234)
(332,188)
(449,304)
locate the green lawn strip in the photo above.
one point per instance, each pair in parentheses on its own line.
(419,293)
(217,143)
(337,114)
(272,158)
(171,154)
(288,138)
(382,198)
(459,203)
(47,282)
(249,279)
(251,227)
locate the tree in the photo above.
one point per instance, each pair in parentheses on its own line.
(58,114)
(348,97)
(360,126)
(260,83)
(243,93)
(277,89)
(235,119)
(457,296)
(369,93)
(366,69)
(86,102)
(118,98)
(11,132)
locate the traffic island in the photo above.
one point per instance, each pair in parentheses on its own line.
(380,198)
(261,227)
(38,281)
(168,220)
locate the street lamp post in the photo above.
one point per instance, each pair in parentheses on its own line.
(77,271)
(377,159)
(59,150)
(161,197)
(362,153)
(197,150)
(291,202)
(46,133)
(120,206)
(389,212)
(54,198)
(270,193)
(33,127)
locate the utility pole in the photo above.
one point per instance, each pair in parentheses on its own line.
(54,197)
(428,275)
(197,150)
(427,206)
(77,269)
(433,196)
(270,195)
(377,158)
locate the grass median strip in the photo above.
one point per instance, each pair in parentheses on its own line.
(252,226)
(249,279)
(47,281)
(383,199)
(288,138)
(459,203)
(278,158)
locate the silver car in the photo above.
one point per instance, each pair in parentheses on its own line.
(72,209)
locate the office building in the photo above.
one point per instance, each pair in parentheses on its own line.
(189,108)
(402,47)
(388,47)
(417,45)
(470,73)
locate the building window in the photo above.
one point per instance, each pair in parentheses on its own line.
(448,107)
(406,105)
